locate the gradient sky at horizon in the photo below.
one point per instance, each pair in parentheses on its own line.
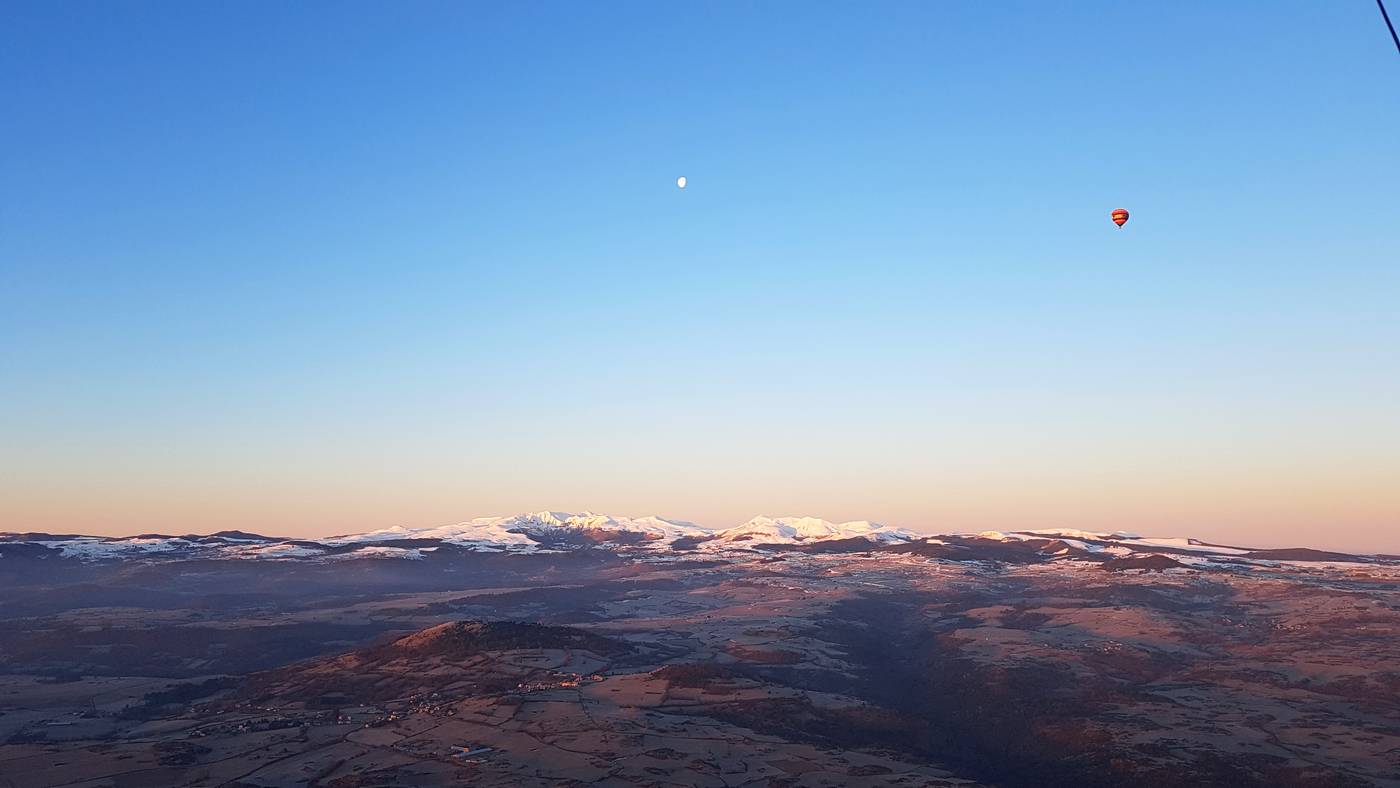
(318,268)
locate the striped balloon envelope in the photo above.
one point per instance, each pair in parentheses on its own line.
(1120,217)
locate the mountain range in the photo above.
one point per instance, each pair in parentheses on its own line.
(657,538)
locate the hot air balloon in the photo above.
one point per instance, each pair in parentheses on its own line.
(1120,217)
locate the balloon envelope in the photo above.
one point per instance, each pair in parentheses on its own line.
(1120,216)
(681,181)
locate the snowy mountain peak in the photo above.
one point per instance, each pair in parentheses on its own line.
(532,530)
(795,530)
(1075,533)
(650,524)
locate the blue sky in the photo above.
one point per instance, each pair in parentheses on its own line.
(323,267)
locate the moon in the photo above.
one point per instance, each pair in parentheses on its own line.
(680,182)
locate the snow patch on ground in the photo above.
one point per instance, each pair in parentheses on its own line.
(410,553)
(95,548)
(281,550)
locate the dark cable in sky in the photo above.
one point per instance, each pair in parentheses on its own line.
(1386,17)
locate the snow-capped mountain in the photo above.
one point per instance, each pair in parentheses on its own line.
(520,533)
(102,547)
(535,529)
(801,530)
(660,538)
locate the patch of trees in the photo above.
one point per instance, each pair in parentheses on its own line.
(696,675)
(156,704)
(473,637)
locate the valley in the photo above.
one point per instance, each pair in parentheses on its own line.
(991,659)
